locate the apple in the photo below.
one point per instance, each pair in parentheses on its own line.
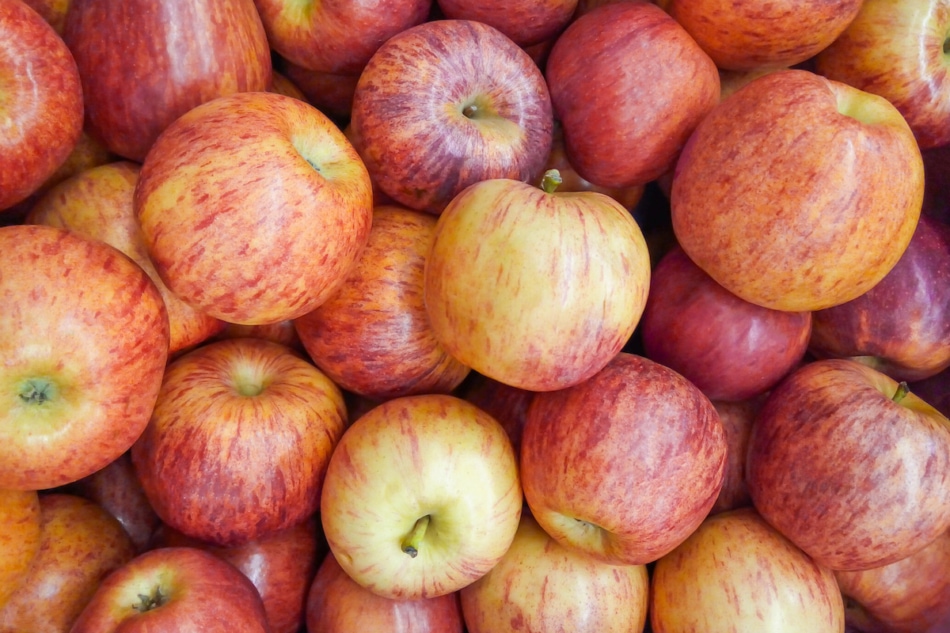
(898,50)
(525,23)
(53,11)
(737,419)
(80,544)
(737,573)
(284,85)
(540,585)
(421,496)
(849,466)
(625,465)
(935,391)
(901,326)
(629,85)
(758,34)
(535,288)
(507,404)
(338,604)
(84,342)
(253,207)
(144,64)
(331,93)
(97,202)
(336,36)
(282,332)
(239,440)
(731,349)
(281,565)
(182,589)
(798,193)
(42,105)
(20,538)
(372,337)
(446,104)
(911,595)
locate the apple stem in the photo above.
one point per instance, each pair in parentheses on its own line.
(413,540)
(551,180)
(149,602)
(902,391)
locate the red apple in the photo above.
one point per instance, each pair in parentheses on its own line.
(526,23)
(253,207)
(331,93)
(898,50)
(446,104)
(336,36)
(373,337)
(42,105)
(757,34)
(239,441)
(629,85)
(97,202)
(80,544)
(625,465)
(848,467)
(422,496)
(144,64)
(84,342)
(337,604)
(737,419)
(182,589)
(542,586)
(20,538)
(507,404)
(737,573)
(731,349)
(282,332)
(901,326)
(281,565)
(798,193)
(53,11)
(535,288)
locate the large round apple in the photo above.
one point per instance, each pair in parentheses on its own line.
(84,342)
(534,288)
(797,192)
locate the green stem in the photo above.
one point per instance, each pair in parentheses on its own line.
(413,540)
(902,391)
(551,180)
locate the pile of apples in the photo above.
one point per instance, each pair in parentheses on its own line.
(444,316)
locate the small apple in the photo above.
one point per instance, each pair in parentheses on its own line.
(798,193)
(446,104)
(53,11)
(239,440)
(182,589)
(20,538)
(849,466)
(84,342)
(507,404)
(737,418)
(542,586)
(625,465)
(253,207)
(526,23)
(421,497)
(331,93)
(42,103)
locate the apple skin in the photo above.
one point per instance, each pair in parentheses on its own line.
(84,339)
(239,440)
(525,23)
(331,93)
(80,544)
(798,193)
(253,207)
(281,566)
(896,50)
(737,419)
(901,326)
(737,573)
(336,36)
(626,128)
(935,391)
(731,349)
(911,595)
(373,337)
(536,290)
(625,465)
(446,104)
(20,538)
(42,106)
(757,34)
(97,202)
(337,604)
(143,64)
(421,497)
(53,11)
(507,404)
(542,586)
(183,589)
(838,466)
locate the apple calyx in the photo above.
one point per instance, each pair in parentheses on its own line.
(412,541)
(551,180)
(147,602)
(37,391)
(902,391)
